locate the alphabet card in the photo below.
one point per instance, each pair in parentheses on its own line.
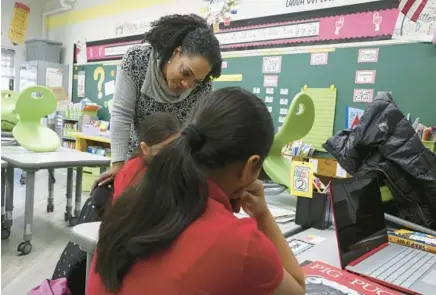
(301,179)
(326,279)
(365,77)
(368,55)
(319,58)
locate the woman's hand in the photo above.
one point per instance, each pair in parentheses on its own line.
(108,176)
(252,200)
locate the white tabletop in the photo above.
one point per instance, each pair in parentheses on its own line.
(324,247)
(287,202)
(19,157)
(86,234)
(4,164)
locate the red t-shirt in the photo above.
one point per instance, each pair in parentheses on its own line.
(218,254)
(129,175)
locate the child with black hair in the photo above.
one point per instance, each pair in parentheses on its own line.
(176,232)
(157,130)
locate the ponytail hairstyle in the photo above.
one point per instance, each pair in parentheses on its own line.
(192,33)
(156,128)
(228,126)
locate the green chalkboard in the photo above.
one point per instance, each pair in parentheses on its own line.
(103,84)
(407,70)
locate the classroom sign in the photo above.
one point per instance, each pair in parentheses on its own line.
(301,179)
(247,10)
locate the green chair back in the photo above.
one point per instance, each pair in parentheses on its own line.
(29,132)
(297,124)
(8,115)
(386,194)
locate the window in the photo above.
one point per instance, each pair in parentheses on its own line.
(7,69)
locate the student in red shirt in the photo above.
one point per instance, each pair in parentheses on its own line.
(176,233)
(158,130)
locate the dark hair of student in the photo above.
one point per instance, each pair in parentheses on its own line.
(189,31)
(156,128)
(227,127)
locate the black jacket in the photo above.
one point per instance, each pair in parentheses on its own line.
(385,141)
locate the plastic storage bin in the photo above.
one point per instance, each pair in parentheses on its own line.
(42,49)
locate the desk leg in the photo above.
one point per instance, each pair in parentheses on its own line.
(6,231)
(89,257)
(69,195)
(25,247)
(50,206)
(78,205)
(3,184)
(9,200)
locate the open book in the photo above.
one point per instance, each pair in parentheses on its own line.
(322,278)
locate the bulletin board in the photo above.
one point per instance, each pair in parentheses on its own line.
(97,83)
(407,70)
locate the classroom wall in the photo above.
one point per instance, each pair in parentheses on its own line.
(81,25)
(34,29)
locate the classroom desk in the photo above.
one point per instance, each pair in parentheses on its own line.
(30,162)
(324,249)
(86,234)
(286,201)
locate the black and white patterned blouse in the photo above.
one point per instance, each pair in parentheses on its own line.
(131,106)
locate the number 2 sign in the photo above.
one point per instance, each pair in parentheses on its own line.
(301,179)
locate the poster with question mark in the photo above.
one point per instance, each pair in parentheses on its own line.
(99,76)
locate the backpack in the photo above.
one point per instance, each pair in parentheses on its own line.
(51,287)
(72,263)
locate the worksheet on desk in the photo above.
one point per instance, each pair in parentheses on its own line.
(281,215)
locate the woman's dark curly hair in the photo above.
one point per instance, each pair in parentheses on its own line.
(192,33)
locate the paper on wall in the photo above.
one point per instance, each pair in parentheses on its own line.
(421,30)
(363,95)
(272,64)
(270,81)
(269,91)
(53,77)
(81,84)
(352,115)
(109,87)
(284,101)
(319,58)
(365,77)
(368,55)
(81,53)
(284,91)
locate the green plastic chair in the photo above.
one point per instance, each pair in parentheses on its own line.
(29,132)
(9,116)
(297,124)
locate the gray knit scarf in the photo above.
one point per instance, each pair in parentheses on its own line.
(155,85)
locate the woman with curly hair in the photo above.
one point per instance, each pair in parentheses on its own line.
(169,72)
